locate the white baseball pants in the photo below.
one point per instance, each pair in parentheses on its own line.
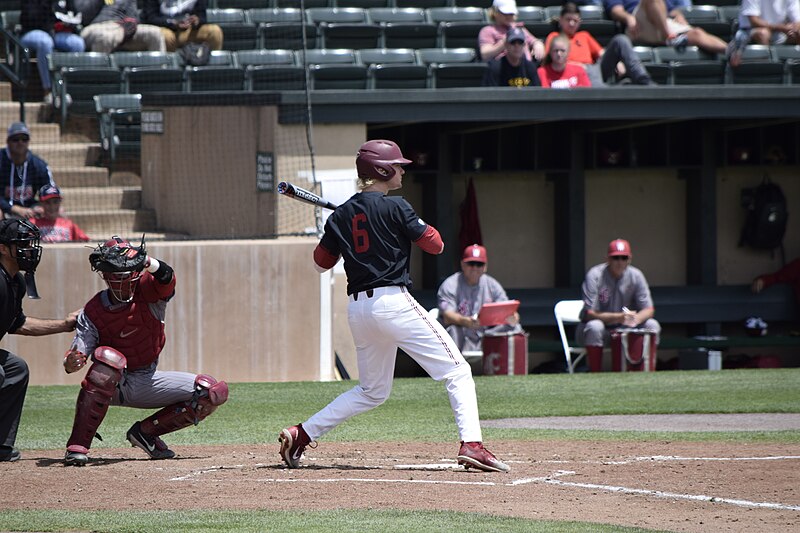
(392,318)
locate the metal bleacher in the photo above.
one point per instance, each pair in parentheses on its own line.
(389,44)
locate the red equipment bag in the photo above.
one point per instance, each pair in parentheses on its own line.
(505,354)
(633,350)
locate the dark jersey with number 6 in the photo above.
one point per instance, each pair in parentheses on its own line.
(373,232)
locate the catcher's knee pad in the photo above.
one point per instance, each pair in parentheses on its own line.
(208,395)
(97,389)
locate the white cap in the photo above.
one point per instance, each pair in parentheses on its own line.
(506,7)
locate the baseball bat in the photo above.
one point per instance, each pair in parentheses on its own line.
(298,193)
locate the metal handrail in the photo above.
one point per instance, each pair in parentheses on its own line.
(16,67)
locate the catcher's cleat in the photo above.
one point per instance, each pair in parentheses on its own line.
(74,458)
(474,454)
(293,443)
(152,446)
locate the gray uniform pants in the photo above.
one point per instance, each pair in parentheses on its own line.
(14,377)
(595,332)
(618,49)
(149,388)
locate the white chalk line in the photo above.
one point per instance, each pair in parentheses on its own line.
(551,480)
(656,458)
(663,494)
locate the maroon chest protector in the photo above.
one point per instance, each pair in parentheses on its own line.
(131,329)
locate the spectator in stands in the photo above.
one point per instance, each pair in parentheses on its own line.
(48,26)
(24,174)
(52,226)
(461,296)
(556,72)
(117,27)
(771,22)
(512,69)
(615,294)
(492,38)
(182,22)
(789,274)
(600,63)
(660,23)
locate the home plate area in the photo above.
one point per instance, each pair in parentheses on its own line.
(657,484)
(676,486)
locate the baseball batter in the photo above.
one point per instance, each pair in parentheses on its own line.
(122,328)
(374,233)
(614,294)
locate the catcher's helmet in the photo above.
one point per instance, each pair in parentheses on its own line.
(375,159)
(120,264)
(25,236)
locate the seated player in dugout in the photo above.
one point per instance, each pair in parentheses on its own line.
(461,296)
(122,330)
(615,294)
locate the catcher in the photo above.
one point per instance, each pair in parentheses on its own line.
(122,330)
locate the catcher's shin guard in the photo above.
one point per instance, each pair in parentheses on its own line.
(97,389)
(208,395)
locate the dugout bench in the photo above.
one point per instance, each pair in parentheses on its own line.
(692,317)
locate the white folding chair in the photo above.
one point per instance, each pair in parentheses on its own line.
(569,312)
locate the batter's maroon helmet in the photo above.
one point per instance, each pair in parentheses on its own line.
(375,159)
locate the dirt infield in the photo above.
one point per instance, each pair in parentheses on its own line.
(666,485)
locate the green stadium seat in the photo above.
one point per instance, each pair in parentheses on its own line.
(119,118)
(149,72)
(394,68)
(78,76)
(271,70)
(238,31)
(405,27)
(222,73)
(346,27)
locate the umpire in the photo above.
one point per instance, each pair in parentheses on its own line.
(19,251)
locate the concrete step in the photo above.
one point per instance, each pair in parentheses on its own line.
(9,112)
(5,91)
(101,198)
(128,223)
(72,177)
(68,154)
(42,133)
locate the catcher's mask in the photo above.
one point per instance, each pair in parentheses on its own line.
(24,237)
(121,281)
(375,159)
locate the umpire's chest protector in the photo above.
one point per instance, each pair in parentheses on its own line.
(132,329)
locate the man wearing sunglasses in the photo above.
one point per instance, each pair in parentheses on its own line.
(22,175)
(615,294)
(462,295)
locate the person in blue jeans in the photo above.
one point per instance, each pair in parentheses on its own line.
(48,26)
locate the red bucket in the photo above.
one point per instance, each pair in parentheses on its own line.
(633,350)
(505,354)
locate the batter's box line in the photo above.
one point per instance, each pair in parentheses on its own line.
(662,458)
(551,480)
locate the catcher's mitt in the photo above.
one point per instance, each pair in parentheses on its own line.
(118,255)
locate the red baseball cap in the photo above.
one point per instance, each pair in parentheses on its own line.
(474,252)
(619,247)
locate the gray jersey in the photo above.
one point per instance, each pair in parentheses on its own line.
(605,294)
(456,295)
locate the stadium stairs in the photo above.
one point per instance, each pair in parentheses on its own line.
(100,202)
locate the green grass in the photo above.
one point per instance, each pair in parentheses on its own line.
(339,521)
(417,410)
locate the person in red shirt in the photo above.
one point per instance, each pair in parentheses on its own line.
(600,63)
(52,226)
(556,72)
(790,274)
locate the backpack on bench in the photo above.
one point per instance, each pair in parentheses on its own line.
(767,215)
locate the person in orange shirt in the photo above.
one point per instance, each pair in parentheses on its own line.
(556,72)
(600,63)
